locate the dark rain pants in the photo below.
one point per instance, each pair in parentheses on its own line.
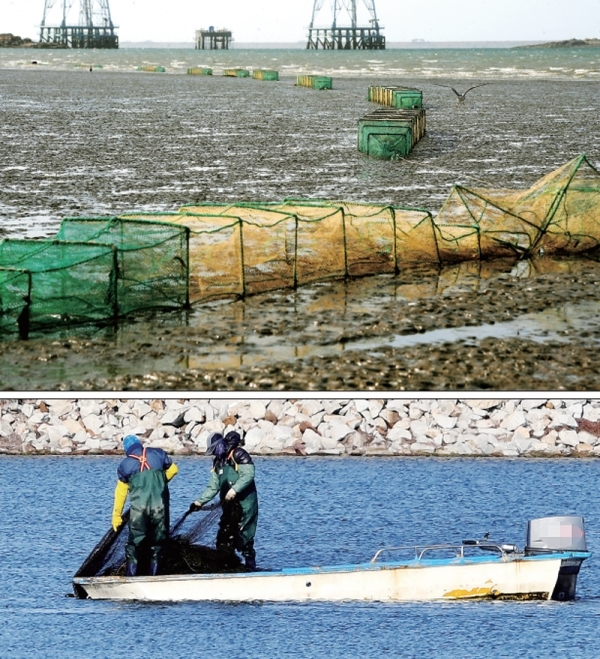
(237,528)
(148,534)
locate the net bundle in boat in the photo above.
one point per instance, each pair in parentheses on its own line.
(189,549)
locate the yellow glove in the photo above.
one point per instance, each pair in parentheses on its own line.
(120,496)
(117,520)
(171,471)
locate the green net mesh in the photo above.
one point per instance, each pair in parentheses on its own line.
(152,259)
(15,294)
(70,281)
(100,268)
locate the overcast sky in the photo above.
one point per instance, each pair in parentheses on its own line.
(287,20)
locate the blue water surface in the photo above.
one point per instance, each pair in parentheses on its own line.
(313,511)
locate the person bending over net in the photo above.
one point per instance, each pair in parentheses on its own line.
(232,478)
(144,475)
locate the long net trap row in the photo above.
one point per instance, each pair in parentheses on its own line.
(98,269)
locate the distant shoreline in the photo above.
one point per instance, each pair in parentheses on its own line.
(11,41)
(301,45)
(569,43)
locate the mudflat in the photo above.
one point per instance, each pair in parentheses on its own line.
(498,325)
(102,143)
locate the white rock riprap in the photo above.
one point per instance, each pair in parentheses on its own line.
(438,427)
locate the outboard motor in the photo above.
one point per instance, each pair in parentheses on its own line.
(565,533)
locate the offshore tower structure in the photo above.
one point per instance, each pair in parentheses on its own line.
(212,39)
(93,29)
(346,37)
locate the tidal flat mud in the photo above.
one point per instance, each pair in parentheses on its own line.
(75,143)
(481,326)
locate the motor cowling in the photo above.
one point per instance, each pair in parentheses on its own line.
(559,534)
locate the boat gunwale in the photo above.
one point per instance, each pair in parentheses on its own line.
(344,568)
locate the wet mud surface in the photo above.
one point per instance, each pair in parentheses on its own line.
(75,143)
(80,143)
(376,333)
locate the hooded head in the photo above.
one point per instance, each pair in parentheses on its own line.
(233,440)
(216,445)
(129,443)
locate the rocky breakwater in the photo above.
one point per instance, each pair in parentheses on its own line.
(8,40)
(372,427)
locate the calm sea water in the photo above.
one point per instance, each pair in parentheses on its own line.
(313,512)
(492,63)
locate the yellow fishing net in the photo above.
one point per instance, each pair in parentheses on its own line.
(559,213)
(238,249)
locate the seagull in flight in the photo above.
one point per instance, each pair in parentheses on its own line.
(461,97)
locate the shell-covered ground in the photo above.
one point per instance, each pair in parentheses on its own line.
(80,143)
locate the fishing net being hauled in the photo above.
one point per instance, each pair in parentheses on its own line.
(188,550)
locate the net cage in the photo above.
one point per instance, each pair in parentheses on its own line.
(396,97)
(94,270)
(236,73)
(314,81)
(250,247)
(235,250)
(60,283)
(265,74)
(152,259)
(98,269)
(389,133)
(246,248)
(560,213)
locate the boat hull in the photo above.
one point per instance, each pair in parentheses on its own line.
(518,578)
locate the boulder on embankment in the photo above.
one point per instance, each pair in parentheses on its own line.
(371,427)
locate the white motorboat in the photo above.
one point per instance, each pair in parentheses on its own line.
(546,569)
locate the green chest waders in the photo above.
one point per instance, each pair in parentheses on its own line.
(148,520)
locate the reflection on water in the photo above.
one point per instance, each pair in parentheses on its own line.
(325,311)
(541,300)
(560,324)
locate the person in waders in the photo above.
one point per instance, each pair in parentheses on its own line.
(232,478)
(144,475)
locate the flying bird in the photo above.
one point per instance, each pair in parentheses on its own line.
(461,97)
